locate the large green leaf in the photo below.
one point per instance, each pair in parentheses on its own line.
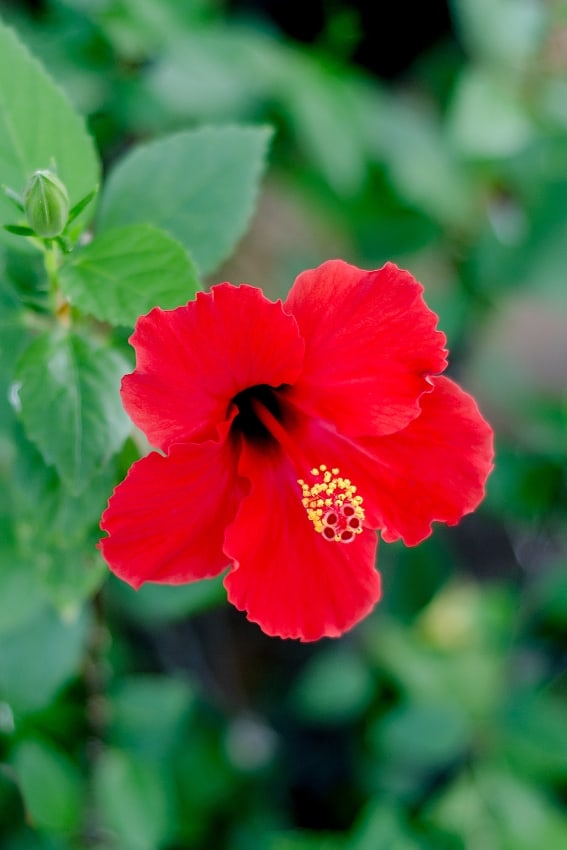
(38,129)
(126,271)
(131,800)
(198,185)
(45,513)
(488,117)
(39,657)
(505,812)
(506,33)
(12,329)
(69,575)
(51,786)
(21,596)
(70,404)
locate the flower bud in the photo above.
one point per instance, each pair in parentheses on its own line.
(46,203)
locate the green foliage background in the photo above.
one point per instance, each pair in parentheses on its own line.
(162,720)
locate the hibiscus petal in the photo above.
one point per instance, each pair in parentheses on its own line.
(435,470)
(191,361)
(370,342)
(287,578)
(166,520)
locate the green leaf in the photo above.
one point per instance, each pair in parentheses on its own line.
(132,800)
(49,516)
(39,658)
(466,679)
(137,28)
(21,596)
(125,272)
(381,827)
(69,575)
(51,786)
(158,603)
(504,32)
(38,128)
(81,205)
(13,197)
(13,340)
(306,840)
(488,117)
(237,69)
(425,734)
(198,185)
(334,687)
(70,403)
(320,103)
(148,713)
(551,595)
(499,812)
(410,140)
(27,839)
(19,230)
(535,737)
(56,531)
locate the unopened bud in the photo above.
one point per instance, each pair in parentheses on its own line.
(46,203)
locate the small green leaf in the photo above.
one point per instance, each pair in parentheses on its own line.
(19,230)
(81,205)
(12,196)
(68,389)
(51,786)
(126,271)
(198,185)
(38,127)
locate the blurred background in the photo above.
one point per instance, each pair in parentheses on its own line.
(429,134)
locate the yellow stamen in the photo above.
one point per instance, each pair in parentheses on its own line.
(332,505)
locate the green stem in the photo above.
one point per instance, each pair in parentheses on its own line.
(57,303)
(51,262)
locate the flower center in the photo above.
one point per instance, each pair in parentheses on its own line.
(247,420)
(332,505)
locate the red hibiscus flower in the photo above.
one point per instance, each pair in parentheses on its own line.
(290,433)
